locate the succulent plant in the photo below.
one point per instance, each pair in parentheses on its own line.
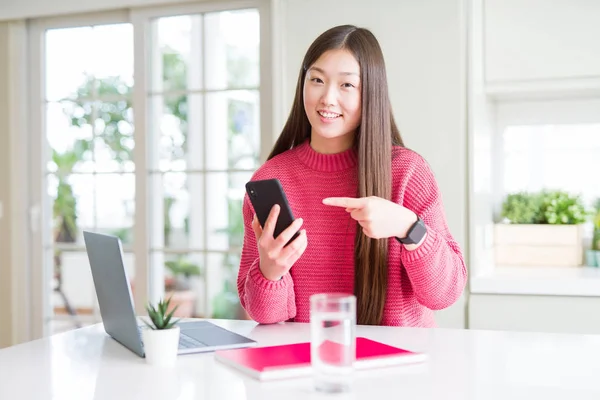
(160,318)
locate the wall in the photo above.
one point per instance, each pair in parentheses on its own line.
(424,48)
(5,270)
(422,44)
(13,189)
(480,133)
(535,40)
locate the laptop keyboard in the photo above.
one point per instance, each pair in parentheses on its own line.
(187,342)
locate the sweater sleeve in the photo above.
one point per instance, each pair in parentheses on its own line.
(436,268)
(265,301)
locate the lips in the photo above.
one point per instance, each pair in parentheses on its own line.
(328,114)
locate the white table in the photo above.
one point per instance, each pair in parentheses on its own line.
(87,364)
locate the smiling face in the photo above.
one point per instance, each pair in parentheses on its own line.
(332,101)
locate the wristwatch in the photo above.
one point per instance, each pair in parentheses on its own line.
(415,234)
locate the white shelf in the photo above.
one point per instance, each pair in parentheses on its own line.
(545,281)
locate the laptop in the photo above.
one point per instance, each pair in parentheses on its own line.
(115,300)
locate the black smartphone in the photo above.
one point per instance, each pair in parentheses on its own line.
(264,194)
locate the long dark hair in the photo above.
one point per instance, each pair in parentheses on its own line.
(375,137)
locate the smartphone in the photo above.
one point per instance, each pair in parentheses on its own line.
(264,194)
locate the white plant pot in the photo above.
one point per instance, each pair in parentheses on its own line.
(161,346)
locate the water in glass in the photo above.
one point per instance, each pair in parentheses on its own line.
(333,349)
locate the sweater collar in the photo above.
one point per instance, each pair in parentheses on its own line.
(326,162)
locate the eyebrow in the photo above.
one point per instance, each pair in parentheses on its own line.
(341,73)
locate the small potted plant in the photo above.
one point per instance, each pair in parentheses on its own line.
(161,338)
(543,228)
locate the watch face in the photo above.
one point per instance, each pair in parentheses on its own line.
(417,232)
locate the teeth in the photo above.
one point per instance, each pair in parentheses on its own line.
(328,115)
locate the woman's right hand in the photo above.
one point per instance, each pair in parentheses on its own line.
(275,259)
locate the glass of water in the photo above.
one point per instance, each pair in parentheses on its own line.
(333,340)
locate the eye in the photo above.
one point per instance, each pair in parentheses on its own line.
(348,85)
(316,80)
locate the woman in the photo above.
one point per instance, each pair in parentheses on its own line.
(372,217)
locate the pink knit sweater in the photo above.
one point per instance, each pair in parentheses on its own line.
(431,277)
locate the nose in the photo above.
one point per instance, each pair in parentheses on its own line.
(329,95)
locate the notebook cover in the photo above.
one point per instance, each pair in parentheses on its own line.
(284,361)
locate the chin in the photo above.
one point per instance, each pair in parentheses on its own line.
(330,132)
(330,135)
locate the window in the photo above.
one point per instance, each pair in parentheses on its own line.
(529,145)
(548,145)
(552,156)
(89,168)
(204,109)
(149,127)
(553,145)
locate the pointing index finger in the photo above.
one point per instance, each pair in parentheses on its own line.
(346,202)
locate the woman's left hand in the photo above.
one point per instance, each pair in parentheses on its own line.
(379,218)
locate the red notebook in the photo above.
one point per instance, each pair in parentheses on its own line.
(293,360)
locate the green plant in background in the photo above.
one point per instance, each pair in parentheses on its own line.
(109,116)
(562,208)
(124,234)
(596,222)
(64,208)
(168,202)
(522,208)
(226,303)
(545,207)
(235,227)
(64,212)
(114,121)
(159,317)
(181,271)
